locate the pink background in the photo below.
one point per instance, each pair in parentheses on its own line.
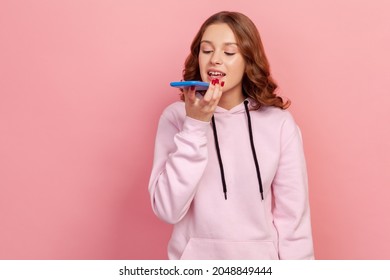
(82,85)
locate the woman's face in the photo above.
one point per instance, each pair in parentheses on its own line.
(220,58)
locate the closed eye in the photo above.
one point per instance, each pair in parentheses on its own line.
(229,53)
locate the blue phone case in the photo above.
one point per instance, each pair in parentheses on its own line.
(184,84)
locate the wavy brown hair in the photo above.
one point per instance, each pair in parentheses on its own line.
(257,81)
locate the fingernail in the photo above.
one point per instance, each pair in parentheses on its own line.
(192,88)
(222,83)
(216,81)
(213,82)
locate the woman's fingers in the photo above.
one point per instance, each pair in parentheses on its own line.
(202,108)
(213,94)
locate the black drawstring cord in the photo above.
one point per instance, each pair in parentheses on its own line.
(253,153)
(253,149)
(219,157)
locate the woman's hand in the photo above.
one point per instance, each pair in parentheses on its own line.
(203,108)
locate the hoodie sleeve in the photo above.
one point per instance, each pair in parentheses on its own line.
(290,188)
(180,159)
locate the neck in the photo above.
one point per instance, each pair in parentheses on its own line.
(231,99)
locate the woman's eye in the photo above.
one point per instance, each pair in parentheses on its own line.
(206,51)
(230,53)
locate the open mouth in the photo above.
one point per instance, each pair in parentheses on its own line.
(215,75)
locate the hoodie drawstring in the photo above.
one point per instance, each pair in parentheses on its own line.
(219,157)
(252,148)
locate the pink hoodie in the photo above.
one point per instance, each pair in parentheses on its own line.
(186,186)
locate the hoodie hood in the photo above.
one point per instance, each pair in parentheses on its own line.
(238,109)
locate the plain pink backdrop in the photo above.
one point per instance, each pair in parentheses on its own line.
(82,85)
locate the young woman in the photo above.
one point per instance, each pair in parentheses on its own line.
(229,169)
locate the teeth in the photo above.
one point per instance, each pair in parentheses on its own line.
(215,73)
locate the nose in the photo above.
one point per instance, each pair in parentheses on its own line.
(216,59)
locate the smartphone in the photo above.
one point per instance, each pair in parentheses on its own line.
(199,86)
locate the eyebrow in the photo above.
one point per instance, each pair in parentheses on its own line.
(227,43)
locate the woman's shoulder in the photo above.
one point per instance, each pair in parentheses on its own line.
(276,114)
(283,120)
(174,110)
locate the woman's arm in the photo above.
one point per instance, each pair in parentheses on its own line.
(290,189)
(179,161)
